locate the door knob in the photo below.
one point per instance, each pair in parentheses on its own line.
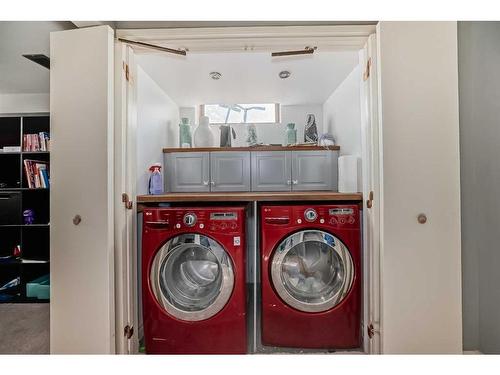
(422,218)
(77,219)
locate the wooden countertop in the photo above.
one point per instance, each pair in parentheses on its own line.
(254,148)
(251,196)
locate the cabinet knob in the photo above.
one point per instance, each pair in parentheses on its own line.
(77,219)
(422,218)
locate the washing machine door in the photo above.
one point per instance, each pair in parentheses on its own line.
(192,277)
(312,271)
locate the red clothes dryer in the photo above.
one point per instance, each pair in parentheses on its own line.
(193,280)
(311,276)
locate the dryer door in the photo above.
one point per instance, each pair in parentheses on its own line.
(312,271)
(192,277)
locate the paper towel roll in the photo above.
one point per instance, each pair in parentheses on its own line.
(349,174)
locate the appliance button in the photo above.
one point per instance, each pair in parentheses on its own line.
(233,226)
(177,225)
(212,227)
(202,226)
(342,220)
(310,214)
(322,221)
(333,221)
(299,221)
(351,220)
(223,226)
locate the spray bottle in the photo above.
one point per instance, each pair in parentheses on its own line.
(155,180)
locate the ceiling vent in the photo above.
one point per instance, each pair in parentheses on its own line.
(40,59)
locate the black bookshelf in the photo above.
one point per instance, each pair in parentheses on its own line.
(15,198)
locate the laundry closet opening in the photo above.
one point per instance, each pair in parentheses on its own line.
(241,98)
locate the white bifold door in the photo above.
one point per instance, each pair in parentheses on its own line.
(82,313)
(420,202)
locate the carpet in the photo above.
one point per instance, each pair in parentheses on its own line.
(24,328)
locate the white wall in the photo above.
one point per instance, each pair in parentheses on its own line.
(420,263)
(157,126)
(24,103)
(342,114)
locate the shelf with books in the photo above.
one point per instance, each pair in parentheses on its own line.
(24,248)
(36,171)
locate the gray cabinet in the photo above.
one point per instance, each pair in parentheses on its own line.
(314,170)
(271,171)
(230,171)
(187,172)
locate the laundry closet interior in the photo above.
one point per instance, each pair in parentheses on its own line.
(256,182)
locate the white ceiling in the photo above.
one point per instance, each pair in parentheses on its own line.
(248,77)
(18,74)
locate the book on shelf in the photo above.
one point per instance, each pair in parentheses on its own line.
(36,142)
(37,173)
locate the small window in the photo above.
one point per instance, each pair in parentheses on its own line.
(267,113)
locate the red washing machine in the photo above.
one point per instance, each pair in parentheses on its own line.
(311,276)
(193,280)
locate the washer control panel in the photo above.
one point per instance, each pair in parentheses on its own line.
(339,216)
(219,220)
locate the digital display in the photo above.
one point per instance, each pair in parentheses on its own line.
(223,216)
(341,211)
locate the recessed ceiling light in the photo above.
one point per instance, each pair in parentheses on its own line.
(215,75)
(284,74)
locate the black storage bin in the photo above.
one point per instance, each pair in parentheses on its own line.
(10,208)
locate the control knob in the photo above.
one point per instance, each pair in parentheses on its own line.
(189,220)
(310,214)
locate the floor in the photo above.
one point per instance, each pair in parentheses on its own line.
(24,328)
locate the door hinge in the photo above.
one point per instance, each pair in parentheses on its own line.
(127,71)
(128,203)
(368,68)
(369,202)
(370,329)
(128,331)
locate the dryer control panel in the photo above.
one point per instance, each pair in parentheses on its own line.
(339,216)
(228,220)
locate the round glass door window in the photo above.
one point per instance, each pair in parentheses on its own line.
(312,271)
(192,277)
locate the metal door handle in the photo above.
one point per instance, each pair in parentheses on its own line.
(289,182)
(205,183)
(295,182)
(212,183)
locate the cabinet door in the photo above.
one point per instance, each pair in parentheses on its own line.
(187,172)
(230,171)
(271,171)
(314,170)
